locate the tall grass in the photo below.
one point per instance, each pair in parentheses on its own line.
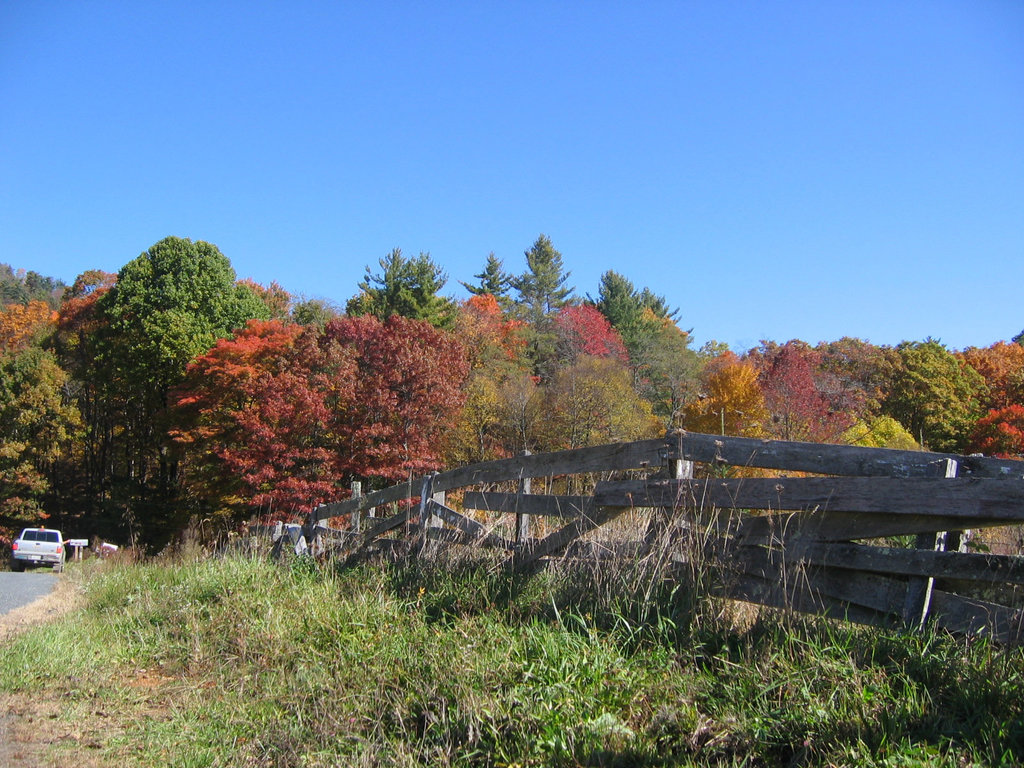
(458,661)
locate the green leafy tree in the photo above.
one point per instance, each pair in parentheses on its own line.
(315,312)
(935,396)
(405,287)
(168,306)
(664,366)
(620,303)
(668,372)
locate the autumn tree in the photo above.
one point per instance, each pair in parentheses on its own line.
(284,417)
(254,420)
(408,391)
(80,330)
(935,396)
(797,409)
(405,287)
(37,426)
(854,376)
(731,402)
(592,402)
(23,325)
(276,299)
(879,432)
(1000,432)
(493,345)
(492,339)
(521,414)
(1002,368)
(581,330)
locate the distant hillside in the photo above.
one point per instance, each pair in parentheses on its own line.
(20,287)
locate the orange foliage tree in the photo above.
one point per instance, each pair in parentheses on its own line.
(494,349)
(1002,367)
(22,324)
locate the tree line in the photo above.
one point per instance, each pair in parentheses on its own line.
(132,405)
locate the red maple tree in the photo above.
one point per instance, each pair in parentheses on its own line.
(799,411)
(583,330)
(408,390)
(282,417)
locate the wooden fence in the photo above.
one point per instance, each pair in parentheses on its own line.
(869,535)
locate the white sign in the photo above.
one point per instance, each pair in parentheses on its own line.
(77,542)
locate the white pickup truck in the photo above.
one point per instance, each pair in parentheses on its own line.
(38,546)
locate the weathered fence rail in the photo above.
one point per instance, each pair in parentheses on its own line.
(817,536)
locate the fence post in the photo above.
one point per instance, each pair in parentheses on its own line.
(675,467)
(919,588)
(357,491)
(426,491)
(523,520)
(440,498)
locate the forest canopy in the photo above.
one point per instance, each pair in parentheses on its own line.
(171,392)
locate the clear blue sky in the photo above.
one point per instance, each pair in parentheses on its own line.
(776,170)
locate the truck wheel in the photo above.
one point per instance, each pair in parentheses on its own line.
(17,567)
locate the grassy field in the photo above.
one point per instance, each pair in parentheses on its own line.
(242,662)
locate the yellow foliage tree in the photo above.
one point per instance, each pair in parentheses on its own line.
(881,432)
(592,403)
(731,402)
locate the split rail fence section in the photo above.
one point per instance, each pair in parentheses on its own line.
(818,541)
